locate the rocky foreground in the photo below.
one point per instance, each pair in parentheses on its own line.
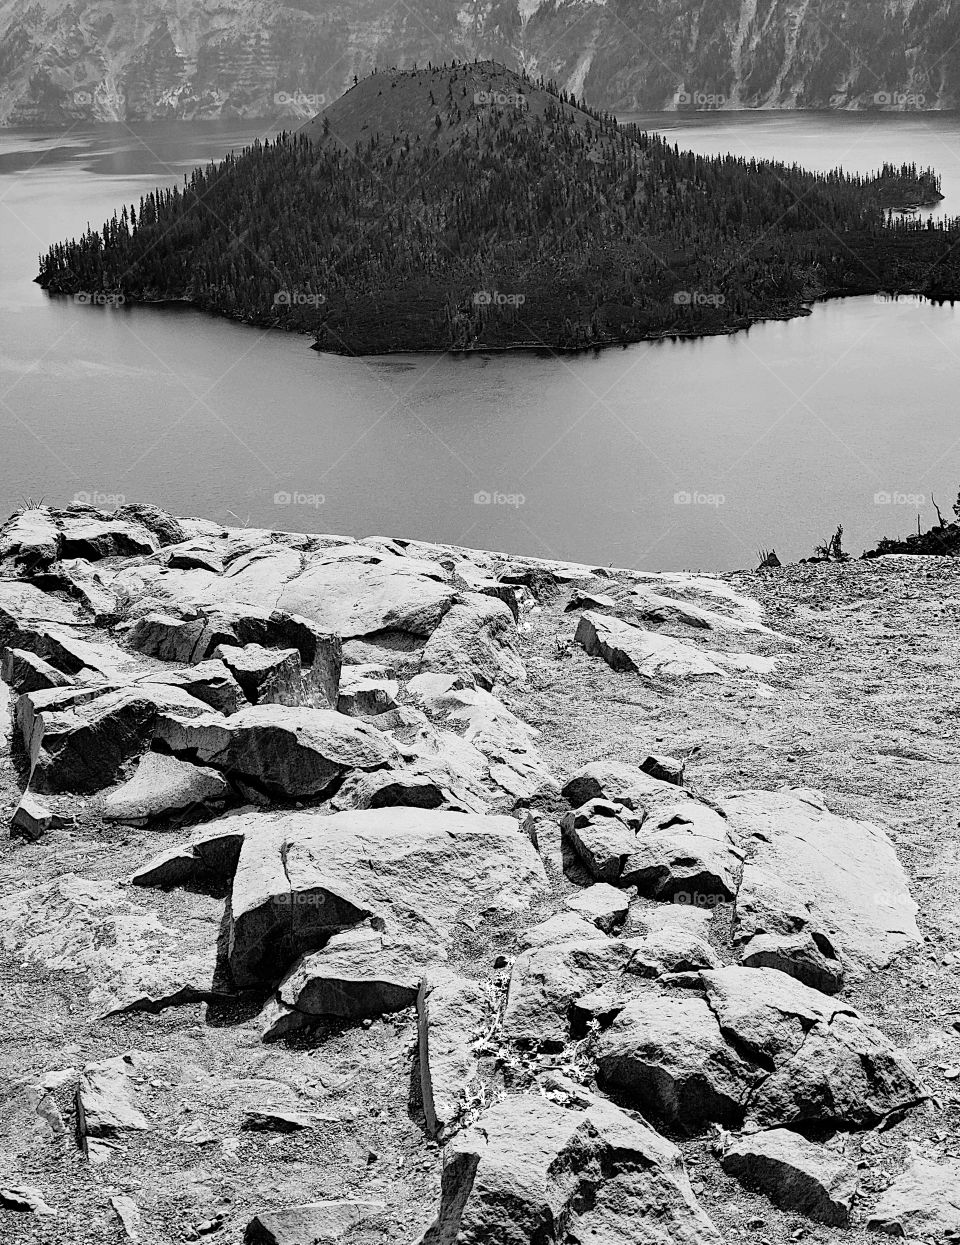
(369,890)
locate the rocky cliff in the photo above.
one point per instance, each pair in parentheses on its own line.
(107,60)
(367,890)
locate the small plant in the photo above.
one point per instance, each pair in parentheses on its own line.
(832,548)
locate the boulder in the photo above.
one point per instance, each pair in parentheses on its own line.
(267,676)
(93,535)
(619,783)
(601,838)
(795,1174)
(313,1223)
(835,878)
(24,1197)
(759,1048)
(646,653)
(403,595)
(29,541)
(25,672)
(562,927)
(359,973)
(805,956)
(922,1203)
(33,818)
(684,853)
(23,608)
(476,637)
(453,1014)
(594,601)
(165,787)
(209,681)
(169,638)
(85,746)
(667,769)
(414,874)
(366,690)
(533,1170)
(167,529)
(604,905)
(290,753)
(106,1103)
(419,785)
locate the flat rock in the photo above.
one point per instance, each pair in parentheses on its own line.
(562,927)
(29,541)
(23,608)
(414,873)
(24,1197)
(165,787)
(313,1223)
(646,653)
(795,1174)
(94,535)
(619,783)
(604,905)
(129,957)
(169,638)
(531,1164)
(33,818)
(453,1014)
(286,752)
(923,1202)
(106,1101)
(366,690)
(684,853)
(840,876)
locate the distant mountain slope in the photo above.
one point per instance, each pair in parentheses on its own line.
(466,207)
(63,60)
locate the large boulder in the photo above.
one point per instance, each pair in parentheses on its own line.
(290,753)
(796,1174)
(534,1171)
(353,598)
(84,747)
(759,1047)
(477,636)
(92,535)
(24,608)
(415,874)
(833,879)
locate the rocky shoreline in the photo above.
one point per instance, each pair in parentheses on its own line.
(373,890)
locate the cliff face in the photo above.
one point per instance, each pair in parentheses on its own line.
(108,60)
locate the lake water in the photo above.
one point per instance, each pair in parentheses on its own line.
(657,455)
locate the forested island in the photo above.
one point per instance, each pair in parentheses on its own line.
(466,207)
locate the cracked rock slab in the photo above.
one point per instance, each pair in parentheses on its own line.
(795,1174)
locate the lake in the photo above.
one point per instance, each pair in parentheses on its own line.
(656,455)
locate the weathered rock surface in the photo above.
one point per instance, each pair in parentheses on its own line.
(165,787)
(602,904)
(85,746)
(106,1104)
(647,653)
(210,855)
(267,676)
(795,1174)
(684,853)
(366,691)
(313,877)
(759,1048)
(601,838)
(922,1203)
(209,681)
(477,636)
(286,752)
(453,1013)
(533,1169)
(33,818)
(313,1223)
(619,783)
(25,672)
(809,871)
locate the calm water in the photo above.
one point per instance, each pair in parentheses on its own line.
(656,455)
